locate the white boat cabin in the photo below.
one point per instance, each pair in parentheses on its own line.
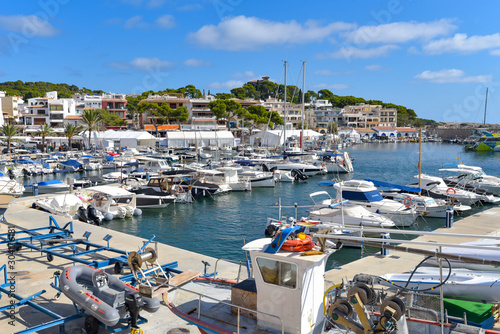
(288,285)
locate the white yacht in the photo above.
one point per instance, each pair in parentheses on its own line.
(328,210)
(366,194)
(113,202)
(436,187)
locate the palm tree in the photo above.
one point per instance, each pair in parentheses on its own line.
(71,130)
(9,131)
(92,119)
(45,130)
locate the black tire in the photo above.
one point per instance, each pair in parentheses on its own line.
(91,325)
(117,268)
(50,257)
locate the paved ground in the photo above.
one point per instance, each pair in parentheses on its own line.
(34,272)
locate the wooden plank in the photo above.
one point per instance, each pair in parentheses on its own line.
(177,280)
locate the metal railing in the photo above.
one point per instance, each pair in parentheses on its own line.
(239,263)
(239,308)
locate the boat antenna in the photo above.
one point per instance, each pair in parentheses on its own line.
(485,105)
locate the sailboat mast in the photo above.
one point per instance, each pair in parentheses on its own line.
(485,105)
(303,104)
(420,159)
(284,115)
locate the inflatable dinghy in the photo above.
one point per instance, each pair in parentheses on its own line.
(104,296)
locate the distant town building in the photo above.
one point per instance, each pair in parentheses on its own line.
(48,109)
(10,108)
(115,103)
(364,115)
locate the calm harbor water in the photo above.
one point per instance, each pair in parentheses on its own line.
(218,227)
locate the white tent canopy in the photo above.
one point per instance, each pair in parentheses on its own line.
(199,138)
(122,138)
(271,138)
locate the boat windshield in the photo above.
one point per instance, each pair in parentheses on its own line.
(277,272)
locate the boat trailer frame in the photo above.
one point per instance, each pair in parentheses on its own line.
(46,243)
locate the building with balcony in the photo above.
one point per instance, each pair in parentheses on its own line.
(85,101)
(47,110)
(115,103)
(10,108)
(173,100)
(364,115)
(293,111)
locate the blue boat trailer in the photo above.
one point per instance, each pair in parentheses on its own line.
(8,288)
(53,231)
(61,244)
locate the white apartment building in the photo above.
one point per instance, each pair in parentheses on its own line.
(293,111)
(323,113)
(363,115)
(85,101)
(48,109)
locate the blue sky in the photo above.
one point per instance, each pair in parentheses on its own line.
(436,57)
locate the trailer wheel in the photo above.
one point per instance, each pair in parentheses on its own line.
(91,325)
(50,257)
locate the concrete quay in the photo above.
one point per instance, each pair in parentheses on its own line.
(485,223)
(34,273)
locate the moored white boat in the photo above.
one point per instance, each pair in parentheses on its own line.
(366,194)
(113,202)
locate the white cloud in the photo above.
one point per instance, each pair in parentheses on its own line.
(248,33)
(452,76)
(399,32)
(166,21)
(196,62)
(226,85)
(147,63)
(462,43)
(352,52)
(135,22)
(373,67)
(27,25)
(332,87)
(495,52)
(246,75)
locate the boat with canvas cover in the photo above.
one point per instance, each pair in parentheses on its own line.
(45,187)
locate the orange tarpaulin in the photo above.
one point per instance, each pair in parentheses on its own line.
(161,127)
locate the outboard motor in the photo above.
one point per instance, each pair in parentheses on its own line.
(92,215)
(134,304)
(298,175)
(82,214)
